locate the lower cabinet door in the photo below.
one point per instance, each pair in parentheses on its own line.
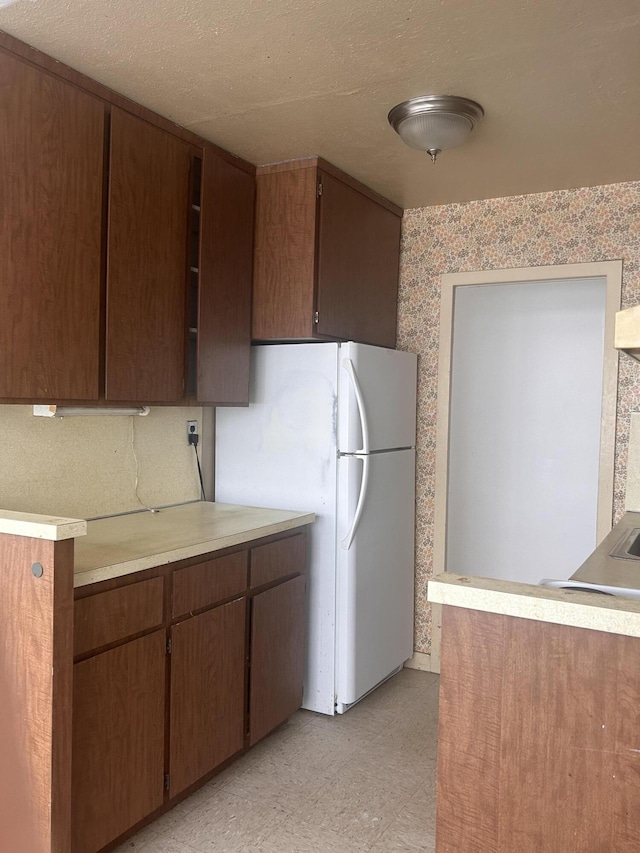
(207,692)
(118,740)
(277,656)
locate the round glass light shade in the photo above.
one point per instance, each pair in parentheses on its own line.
(435,122)
(434,130)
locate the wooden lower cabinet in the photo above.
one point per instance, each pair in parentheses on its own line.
(177,700)
(277,656)
(118,740)
(207,692)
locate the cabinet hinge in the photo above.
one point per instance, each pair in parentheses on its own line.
(319,189)
(166,781)
(169,645)
(316,317)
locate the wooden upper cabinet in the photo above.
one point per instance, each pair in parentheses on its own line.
(51,186)
(146,262)
(326,256)
(103,246)
(224,282)
(357,266)
(284,254)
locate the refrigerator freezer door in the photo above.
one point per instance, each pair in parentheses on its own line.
(387,379)
(376,574)
(280,452)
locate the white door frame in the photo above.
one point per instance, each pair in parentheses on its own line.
(612,272)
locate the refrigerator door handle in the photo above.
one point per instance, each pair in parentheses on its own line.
(347,365)
(348,539)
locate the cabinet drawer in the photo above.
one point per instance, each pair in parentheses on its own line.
(117,614)
(278,559)
(207,583)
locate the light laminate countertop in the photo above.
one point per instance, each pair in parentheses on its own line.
(601,568)
(123,544)
(616,615)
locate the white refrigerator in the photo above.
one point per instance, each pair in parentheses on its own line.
(330,429)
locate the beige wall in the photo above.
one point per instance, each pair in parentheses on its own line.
(84,467)
(571,226)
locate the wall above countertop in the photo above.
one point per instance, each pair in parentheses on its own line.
(85,467)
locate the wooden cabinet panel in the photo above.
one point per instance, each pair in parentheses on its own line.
(117,614)
(224,315)
(94,229)
(537,738)
(207,583)
(51,186)
(207,692)
(324,243)
(278,559)
(277,656)
(147,262)
(284,255)
(118,740)
(36,642)
(138,713)
(357,273)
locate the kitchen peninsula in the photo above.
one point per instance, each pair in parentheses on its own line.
(539,737)
(138,667)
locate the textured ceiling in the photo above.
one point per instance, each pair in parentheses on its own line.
(274,79)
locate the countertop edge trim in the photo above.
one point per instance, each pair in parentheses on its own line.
(41,526)
(524,601)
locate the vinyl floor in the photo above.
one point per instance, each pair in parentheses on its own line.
(363,781)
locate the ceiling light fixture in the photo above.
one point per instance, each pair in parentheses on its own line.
(434,123)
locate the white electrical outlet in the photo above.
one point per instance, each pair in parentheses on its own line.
(192,429)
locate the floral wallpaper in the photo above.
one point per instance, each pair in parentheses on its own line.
(568,226)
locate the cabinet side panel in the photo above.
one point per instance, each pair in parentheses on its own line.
(226,255)
(358,261)
(626,818)
(51,172)
(284,255)
(277,656)
(559,779)
(538,737)
(118,740)
(36,633)
(207,692)
(146,262)
(468,793)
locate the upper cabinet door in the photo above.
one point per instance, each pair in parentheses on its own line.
(326,256)
(224,312)
(357,266)
(284,254)
(51,184)
(146,262)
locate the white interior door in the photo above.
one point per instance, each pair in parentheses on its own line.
(524,428)
(376,575)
